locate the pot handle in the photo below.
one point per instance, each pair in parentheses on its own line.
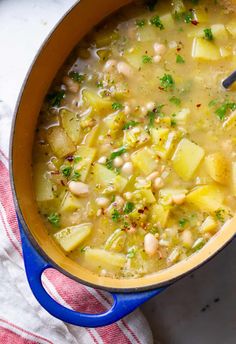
(123,304)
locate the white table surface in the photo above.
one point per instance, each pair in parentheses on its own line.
(199,309)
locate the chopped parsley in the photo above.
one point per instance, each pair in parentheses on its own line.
(156,21)
(77,77)
(66,170)
(208,35)
(223,109)
(140,22)
(173,122)
(56,98)
(128,208)
(188,17)
(115,215)
(118,152)
(153,114)
(131,252)
(117,106)
(99,84)
(130,124)
(175,100)
(212,102)
(179,59)
(220,215)
(167,82)
(77,159)
(76,175)
(146,59)
(182,222)
(54,219)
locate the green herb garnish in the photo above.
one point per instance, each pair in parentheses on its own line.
(223,109)
(140,22)
(128,208)
(131,252)
(54,219)
(66,170)
(179,59)
(117,106)
(115,215)
(118,152)
(146,59)
(188,17)
(208,35)
(175,100)
(77,159)
(220,215)
(99,84)
(182,222)
(56,98)
(213,102)
(167,82)
(130,124)
(77,77)
(76,175)
(151,116)
(156,21)
(173,122)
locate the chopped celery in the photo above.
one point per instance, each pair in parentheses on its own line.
(101,106)
(208,225)
(116,241)
(102,259)
(87,155)
(107,178)
(70,203)
(135,137)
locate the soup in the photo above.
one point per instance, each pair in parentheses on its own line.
(134,162)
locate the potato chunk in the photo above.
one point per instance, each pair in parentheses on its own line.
(107,178)
(71,125)
(205,50)
(43,186)
(217,167)
(144,159)
(99,258)
(159,214)
(208,225)
(206,197)
(60,143)
(71,237)
(100,106)
(187,158)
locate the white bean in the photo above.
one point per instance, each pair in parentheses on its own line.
(127,168)
(119,201)
(126,157)
(79,188)
(102,201)
(159,49)
(150,106)
(102,160)
(109,65)
(156,58)
(125,69)
(127,110)
(179,198)
(128,195)
(153,175)
(118,161)
(158,183)
(150,244)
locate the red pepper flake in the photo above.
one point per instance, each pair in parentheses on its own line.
(141,211)
(198,105)
(178,49)
(62,183)
(70,158)
(194,22)
(161,88)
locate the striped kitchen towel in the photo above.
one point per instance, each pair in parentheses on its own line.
(22,319)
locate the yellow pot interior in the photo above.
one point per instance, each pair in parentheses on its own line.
(71,29)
